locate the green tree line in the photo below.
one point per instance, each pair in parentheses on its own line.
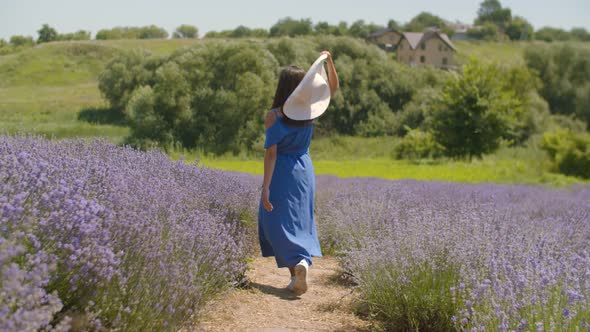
(493,22)
(49,34)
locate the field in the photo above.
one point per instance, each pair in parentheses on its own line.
(440,256)
(98,236)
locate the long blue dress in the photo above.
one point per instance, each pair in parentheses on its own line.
(288,232)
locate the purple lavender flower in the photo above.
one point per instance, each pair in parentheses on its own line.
(517,250)
(113,231)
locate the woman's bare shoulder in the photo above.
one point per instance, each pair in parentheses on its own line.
(269,119)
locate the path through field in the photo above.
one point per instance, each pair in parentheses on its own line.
(267,306)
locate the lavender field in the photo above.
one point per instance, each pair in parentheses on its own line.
(434,256)
(99,237)
(96,237)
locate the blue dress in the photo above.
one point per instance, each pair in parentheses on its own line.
(289,232)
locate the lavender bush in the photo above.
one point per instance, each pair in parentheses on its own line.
(437,256)
(96,237)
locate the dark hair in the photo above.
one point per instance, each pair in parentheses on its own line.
(289,78)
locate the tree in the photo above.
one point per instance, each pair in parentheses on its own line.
(213,95)
(17,41)
(324,28)
(186,31)
(148,128)
(580,34)
(519,29)
(487,31)
(78,35)
(46,34)
(392,24)
(427,20)
(423,21)
(240,32)
(492,11)
(106,34)
(569,151)
(359,29)
(218,34)
(146,32)
(565,73)
(474,111)
(550,34)
(290,27)
(152,32)
(122,75)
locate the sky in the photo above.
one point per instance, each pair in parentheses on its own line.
(25,17)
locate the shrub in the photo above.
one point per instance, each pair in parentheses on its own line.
(17,41)
(550,34)
(417,144)
(476,110)
(123,74)
(569,152)
(420,300)
(148,127)
(416,113)
(145,32)
(487,31)
(186,31)
(79,35)
(565,75)
(213,95)
(290,27)
(46,34)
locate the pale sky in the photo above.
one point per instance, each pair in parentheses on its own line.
(25,17)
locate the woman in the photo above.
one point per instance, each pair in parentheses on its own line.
(286,223)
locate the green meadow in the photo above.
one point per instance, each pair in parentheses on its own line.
(52,90)
(370,157)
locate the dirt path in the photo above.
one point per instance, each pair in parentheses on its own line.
(267,306)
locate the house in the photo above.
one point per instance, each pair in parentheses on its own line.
(460,30)
(387,38)
(426,48)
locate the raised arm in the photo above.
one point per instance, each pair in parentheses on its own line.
(332,74)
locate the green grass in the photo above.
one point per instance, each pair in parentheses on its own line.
(369,157)
(53,112)
(503,171)
(155,46)
(43,90)
(501,52)
(507,52)
(54,64)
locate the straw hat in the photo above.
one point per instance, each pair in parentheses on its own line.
(311,97)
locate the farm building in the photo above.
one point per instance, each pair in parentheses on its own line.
(426,48)
(387,39)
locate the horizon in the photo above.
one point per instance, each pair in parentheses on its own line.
(28,16)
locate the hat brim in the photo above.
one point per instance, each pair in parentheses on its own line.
(312,96)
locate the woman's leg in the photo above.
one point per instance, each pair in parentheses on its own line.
(292,271)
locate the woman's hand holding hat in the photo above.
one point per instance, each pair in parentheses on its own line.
(332,75)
